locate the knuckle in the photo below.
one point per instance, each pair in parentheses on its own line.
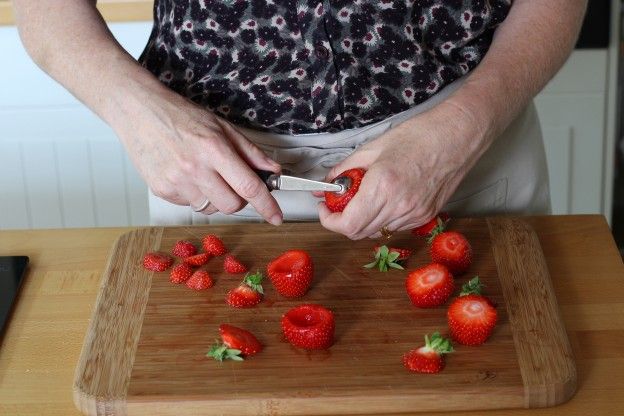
(250,189)
(231,207)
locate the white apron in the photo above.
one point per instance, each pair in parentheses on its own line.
(510,177)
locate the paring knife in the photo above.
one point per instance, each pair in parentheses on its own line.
(283,182)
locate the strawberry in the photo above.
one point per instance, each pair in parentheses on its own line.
(426,229)
(429,358)
(237,342)
(157,262)
(336,202)
(198,259)
(183,249)
(213,245)
(180,273)
(388,257)
(451,249)
(248,293)
(233,266)
(291,273)
(471,316)
(200,280)
(429,286)
(309,326)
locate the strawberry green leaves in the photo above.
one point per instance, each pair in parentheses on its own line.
(386,259)
(221,352)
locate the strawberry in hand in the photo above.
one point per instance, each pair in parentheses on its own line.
(428,359)
(336,202)
(291,273)
(309,326)
(471,316)
(427,228)
(237,343)
(451,249)
(429,286)
(388,257)
(248,293)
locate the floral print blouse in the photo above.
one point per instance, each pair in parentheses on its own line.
(311,66)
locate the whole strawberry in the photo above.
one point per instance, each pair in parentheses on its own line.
(233,266)
(309,326)
(427,228)
(213,245)
(183,249)
(180,273)
(336,202)
(451,249)
(248,293)
(471,316)
(236,344)
(157,262)
(291,273)
(428,359)
(389,258)
(200,280)
(429,286)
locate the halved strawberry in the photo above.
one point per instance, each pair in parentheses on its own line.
(198,259)
(389,257)
(237,342)
(450,248)
(213,245)
(200,280)
(426,229)
(429,358)
(337,202)
(248,293)
(309,326)
(157,262)
(291,273)
(233,266)
(429,286)
(180,273)
(183,249)
(471,316)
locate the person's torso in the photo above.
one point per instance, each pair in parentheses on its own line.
(296,66)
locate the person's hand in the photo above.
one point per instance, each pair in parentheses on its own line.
(411,172)
(187,155)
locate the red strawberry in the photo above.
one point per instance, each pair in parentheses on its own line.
(337,202)
(200,280)
(429,358)
(451,249)
(429,286)
(248,293)
(237,342)
(233,266)
(309,326)
(180,273)
(291,273)
(198,259)
(426,229)
(388,257)
(157,262)
(213,245)
(184,249)
(471,316)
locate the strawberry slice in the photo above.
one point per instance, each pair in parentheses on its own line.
(237,343)
(309,326)
(471,316)
(183,249)
(248,293)
(233,266)
(429,286)
(180,273)
(389,258)
(450,248)
(157,261)
(200,280)
(213,245)
(291,273)
(337,202)
(429,358)
(198,259)
(427,228)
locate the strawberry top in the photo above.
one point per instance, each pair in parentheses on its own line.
(237,342)
(427,228)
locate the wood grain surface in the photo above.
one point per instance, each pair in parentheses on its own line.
(527,362)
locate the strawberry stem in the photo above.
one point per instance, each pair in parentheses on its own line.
(384,259)
(254,281)
(221,352)
(472,287)
(438,343)
(438,229)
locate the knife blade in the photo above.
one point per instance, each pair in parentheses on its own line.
(283,182)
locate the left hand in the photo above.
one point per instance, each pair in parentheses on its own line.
(411,172)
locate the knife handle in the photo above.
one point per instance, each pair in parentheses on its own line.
(269,178)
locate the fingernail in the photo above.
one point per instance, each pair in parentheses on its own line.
(276,219)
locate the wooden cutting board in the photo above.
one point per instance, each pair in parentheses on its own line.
(144,353)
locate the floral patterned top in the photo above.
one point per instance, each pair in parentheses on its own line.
(310,66)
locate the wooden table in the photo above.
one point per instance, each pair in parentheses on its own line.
(40,349)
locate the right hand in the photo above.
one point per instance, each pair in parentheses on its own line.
(186,155)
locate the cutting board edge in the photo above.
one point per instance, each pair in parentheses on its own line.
(519,251)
